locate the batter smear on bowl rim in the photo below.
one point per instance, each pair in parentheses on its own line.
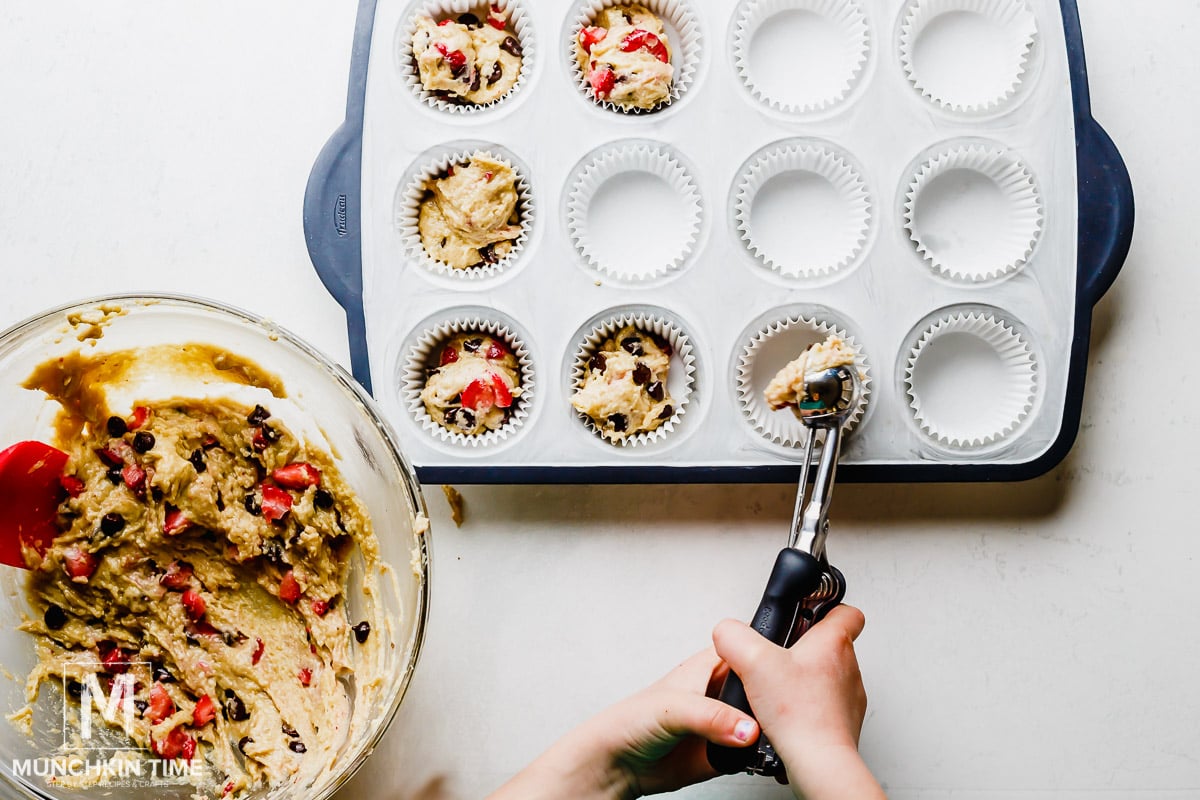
(626,57)
(200,575)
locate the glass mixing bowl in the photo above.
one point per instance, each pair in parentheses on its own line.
(368,456)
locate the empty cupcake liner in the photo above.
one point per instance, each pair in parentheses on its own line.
(683,31)
(423,355)
(412,193)
(971,380)
(783,85)
(519,23)
(671,231)
(681,378)
(767,352)
(780,236)
(987,74)
(974,213)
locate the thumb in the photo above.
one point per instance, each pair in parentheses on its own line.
(741,647)
(682,713)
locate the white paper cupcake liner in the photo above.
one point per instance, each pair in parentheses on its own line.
(423,355)
(681,377)
(802,210)
(767,352)
(655,238)
(683,32)
(971,380)
(519,23)
(983,73)
(412,193)
(769,69)
(974,213)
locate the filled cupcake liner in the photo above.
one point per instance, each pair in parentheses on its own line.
(854,42)
(519,23)
(683,32)
(649,158)
(681,377)
(768,351)
(1019,26)
(1012,240)
(409,209)
(993,415)
(841,245)
(423,355)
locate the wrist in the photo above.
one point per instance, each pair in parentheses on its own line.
(570,768)
(834,772)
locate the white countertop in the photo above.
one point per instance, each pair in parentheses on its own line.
(1031,640)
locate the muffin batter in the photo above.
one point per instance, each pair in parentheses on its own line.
(625,390)
(626,57)
(201,572)
(474,386)
(469,217)
(786,389)
(467,60)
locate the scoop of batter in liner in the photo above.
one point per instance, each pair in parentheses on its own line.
(626,57)
(475,385)
(625,389)
(467,59)
(469,217)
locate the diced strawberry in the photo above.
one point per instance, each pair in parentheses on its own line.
(478,396)
(289,588)
(257,655)
(114,659)
(73,486)
(79,563)
(276,503)
(195,605)
(204,712)
(178,576)
(445,22)
(161,705)
(175,745)
(602,80)
(140,415)
(259,442)
(135,479)
(504,398)
(305,676)
(298,476)
(496,351)
(112,455)
(643,39)
(497,22)
(204,629)
(228,789)
(189,749)
(449,356)
(590,36)
(455,59)
(320,607)
(175,522)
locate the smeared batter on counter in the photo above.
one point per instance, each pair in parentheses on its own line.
(626,57)
(786,389)
(474,386)
(468,59)
(625,391)
(469,217)
(201,570)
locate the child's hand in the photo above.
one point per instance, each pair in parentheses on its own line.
(651,742)
(810,701)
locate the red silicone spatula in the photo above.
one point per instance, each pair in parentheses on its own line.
(30,491)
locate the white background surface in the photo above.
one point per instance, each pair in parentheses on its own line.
(1032,640)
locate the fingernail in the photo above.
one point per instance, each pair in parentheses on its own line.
(743,729)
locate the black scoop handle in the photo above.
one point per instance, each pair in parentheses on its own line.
(796,575)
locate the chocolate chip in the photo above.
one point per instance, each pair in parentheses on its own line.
(599,362)
(74,688)
(468,19)
(141,706)
(235,709)
(471,345)
(655,390)
(475,80)
(258,416)
(667,412)
(511,46)
(497,74)
(112,524)
(220,502)
(619,422)
(666,348)
(114,476)
(242,742)
(323,500)
(488,253)
(160,673)
(117,427)
(55,618)
(460,417)
(361,631)
(290,731)
(641,374)
(297,747)
(633,346)
(197,460)
(252,504)
(273,551)
(143,442)
(156,493)
(270,434)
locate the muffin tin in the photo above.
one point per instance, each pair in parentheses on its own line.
(920,177)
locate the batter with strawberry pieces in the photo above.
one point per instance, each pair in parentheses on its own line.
(626,57)
(475,386)
(469,217)
(467,59)
(200,575)
(625,389)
